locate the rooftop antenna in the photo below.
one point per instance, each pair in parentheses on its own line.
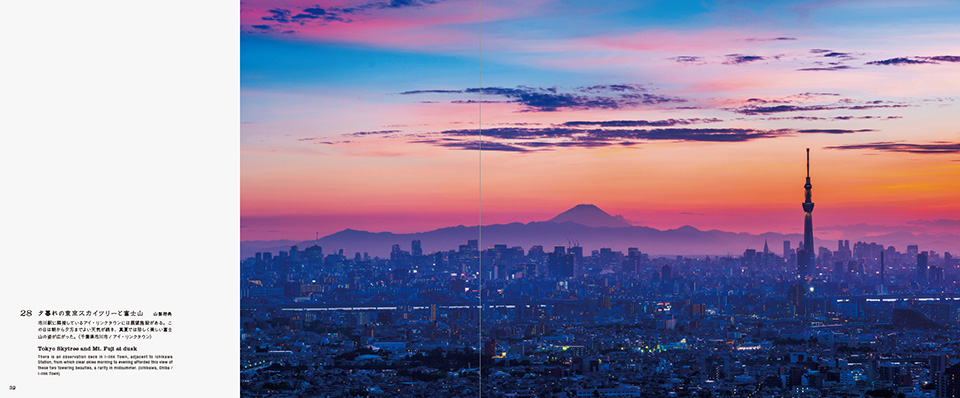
(808,162)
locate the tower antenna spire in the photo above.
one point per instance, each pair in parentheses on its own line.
(807,260)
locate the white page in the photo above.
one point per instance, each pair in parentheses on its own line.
(120,175)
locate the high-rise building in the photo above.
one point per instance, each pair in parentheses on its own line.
(843,252)
(749,260)
(415,248)
(938,363)
(912,251)
(577,252)
(883,279)
(786,249)
(631,264)
(398,257)
(568,266)
(535,251)
(922,266)
(806,260)
(796,294)
(948,383)
(935,274)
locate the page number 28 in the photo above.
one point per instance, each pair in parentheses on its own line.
(26,313)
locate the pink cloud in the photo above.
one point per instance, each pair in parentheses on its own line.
(449,25)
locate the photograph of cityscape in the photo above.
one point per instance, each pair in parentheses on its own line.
(565,198)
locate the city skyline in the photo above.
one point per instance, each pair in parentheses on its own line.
(357,114)
(591,228)
(560,198)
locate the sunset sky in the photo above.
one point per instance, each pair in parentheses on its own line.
(365,114)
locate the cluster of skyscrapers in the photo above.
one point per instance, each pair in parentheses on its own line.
(505,321)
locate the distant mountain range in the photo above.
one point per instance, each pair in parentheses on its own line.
(588,226)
